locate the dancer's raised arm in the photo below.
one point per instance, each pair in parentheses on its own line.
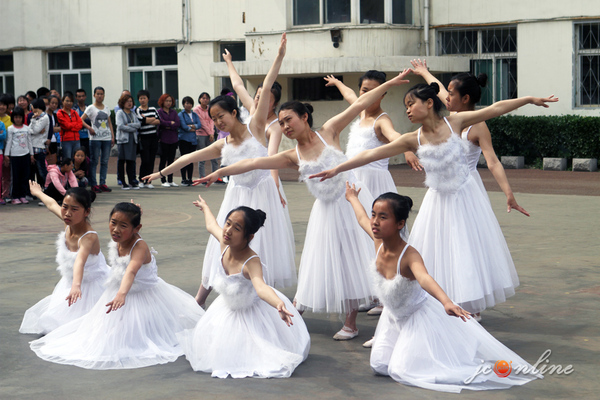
(238,83)
(420,68)
(361,215)
(259,117)
(346,92)
(335,125)
(212,226)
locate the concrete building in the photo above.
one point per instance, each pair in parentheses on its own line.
(538,47)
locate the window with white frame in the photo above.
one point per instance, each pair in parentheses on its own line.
(587,62)
(153,69)
(321,12)
(7,76)
(493,51)
(70,70)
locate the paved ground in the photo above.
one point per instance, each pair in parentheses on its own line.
(556,307)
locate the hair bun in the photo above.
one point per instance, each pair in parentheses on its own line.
(482,79)
(309,107)
(435,87)
(92,196)
(262,216)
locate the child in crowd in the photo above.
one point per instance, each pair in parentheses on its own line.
(5,119)
(144,312)
(242,334)
(40,126)
(81,167)
(60,178)
(19,153)
(80,262)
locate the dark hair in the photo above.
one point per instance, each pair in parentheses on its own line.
(372,75)
(17,111)
(82,196)
(38,103)
(82,148)
(276,90)
(42,91)
(80,90)
(401,205)
(24,97)
(187,99)
(225,91)
(31,94)
(299,108)
(468,84)
(65,161)
(68,95)
(53,96)
(131,210)
(253,219)
(424,92)
(123,99)
(202,94)
(228,104)
(143,92)
(163,98)
(6,99)
(99,88)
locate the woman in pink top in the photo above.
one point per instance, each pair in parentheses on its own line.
(206,134)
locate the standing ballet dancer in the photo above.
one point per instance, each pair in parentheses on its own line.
(333,276)
(455,228)
(464,91)
(255,189)
(416,343)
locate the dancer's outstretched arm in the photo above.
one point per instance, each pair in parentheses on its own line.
(49,202)
(406,142)
(208,153)
(464,119)
(287,159)
(238,83)
(265,292)
(347,93)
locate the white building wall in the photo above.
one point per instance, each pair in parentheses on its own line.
(109,71)
(31,66)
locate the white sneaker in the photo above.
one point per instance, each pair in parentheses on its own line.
(174,184)
(141,185)
(149,186)
(165,184)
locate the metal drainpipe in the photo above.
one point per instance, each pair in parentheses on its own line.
(426,26)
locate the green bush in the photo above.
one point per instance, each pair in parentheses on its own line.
(567,136)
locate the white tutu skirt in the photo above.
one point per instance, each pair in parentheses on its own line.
(54,311)
(377,180)
(463,247)
(250,342)
(433,350)
(274,242)
(333,275)
(140,334)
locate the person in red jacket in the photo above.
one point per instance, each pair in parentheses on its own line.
(70,125)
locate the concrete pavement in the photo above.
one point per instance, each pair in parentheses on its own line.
(556,307)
